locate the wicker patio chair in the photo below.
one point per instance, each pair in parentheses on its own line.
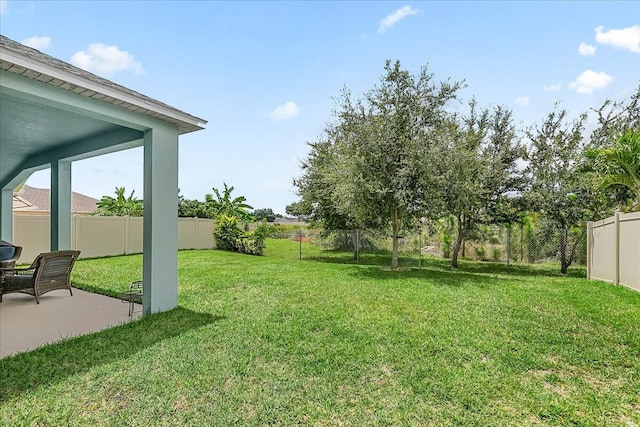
(48,272)
(133,296)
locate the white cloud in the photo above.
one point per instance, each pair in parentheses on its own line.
(586,49)
(37,42)
(103,59)
(523,101)
(589,80)
(395,17)
(626,38)
(285,111)
(552,88)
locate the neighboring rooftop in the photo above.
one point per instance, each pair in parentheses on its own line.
(31,199)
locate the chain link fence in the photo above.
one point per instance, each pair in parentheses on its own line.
(502,244)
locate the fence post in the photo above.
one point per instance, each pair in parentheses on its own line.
(420,248)
(357,245)
(125,243)
(617,243)
(508,247)
(74,227)
(195,233)
(589,247)
(300,244)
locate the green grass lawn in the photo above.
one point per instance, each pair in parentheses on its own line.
(325,342)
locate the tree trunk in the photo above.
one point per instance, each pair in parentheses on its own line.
(395,227)
(456,246)
(356,244)
(564,261)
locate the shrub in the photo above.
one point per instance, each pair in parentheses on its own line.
(227,232)
(250,244)
(446,245)
(229,236)
(481,252)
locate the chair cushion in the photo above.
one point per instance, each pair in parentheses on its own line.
(6,252)
(14,283)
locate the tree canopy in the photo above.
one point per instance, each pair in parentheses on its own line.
(119,205)
(369,168)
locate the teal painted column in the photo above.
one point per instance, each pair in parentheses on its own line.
(6,215)
(160,243)
(60,205)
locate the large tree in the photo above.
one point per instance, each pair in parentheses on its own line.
(615,118)
(478,170)
(368,170)
(560,190)
(265,213)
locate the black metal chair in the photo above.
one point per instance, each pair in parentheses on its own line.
(133,296)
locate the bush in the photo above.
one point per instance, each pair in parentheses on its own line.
(250,244)
(227,232)
(230,237)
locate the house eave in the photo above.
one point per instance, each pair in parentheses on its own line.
(49,70)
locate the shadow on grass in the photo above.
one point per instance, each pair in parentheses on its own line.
(476,267)
(450,278)
(55,362)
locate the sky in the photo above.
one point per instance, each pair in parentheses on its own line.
(266,75)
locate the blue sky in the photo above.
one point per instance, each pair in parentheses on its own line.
(265,74)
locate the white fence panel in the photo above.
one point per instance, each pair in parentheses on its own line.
(630,250)
(613,250)
(97,236)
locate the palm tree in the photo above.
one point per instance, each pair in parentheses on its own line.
(619,165)
(120,205)
(225,205)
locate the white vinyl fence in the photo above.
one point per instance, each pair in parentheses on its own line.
(613,250)
(97,236)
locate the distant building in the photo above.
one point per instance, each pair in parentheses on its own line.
(37,201)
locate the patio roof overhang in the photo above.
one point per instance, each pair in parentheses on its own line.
(52,113)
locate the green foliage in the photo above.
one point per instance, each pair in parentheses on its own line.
(268,214)
(250,244)
(227,232)
(446,227)
(371,169)
(229,236)
(481,252)
(119,205)
(560,190)
(618,165)
(191,208)
(477,169)
(300,209)
(223,204)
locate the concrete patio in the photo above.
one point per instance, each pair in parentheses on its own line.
(25,325)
